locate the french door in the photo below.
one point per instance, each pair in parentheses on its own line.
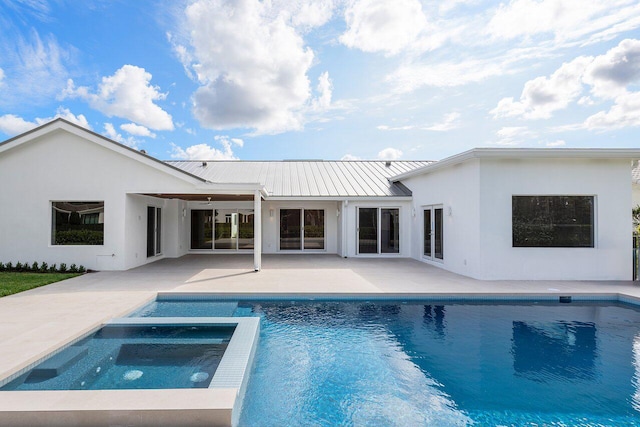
(154,231)
(378,230)
(432,247)
(301,229)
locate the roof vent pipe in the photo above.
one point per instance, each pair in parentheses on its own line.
(204,164)
(387,163)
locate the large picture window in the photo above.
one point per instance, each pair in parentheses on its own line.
(77,223)
(553,221)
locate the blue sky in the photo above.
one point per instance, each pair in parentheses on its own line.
(325,79)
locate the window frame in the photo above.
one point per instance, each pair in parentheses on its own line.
(555,226)
(379,231)
(54,227)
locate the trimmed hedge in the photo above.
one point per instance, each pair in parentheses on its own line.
(34,267)
(79,237)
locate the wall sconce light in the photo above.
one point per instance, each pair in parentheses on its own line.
(270,213)
(184,212)
(449,211)
(413,212)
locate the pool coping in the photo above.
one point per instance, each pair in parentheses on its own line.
(219,404)
(397,296)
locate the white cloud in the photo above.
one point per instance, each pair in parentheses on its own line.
(239,142)
(111,133)
(350,157)
(324,89)
(412,76)
(611,73)
(484,40)
(11,124)
(137,130)
(449,121)
(305,13)
(127,94)
(544,95)
(586,101)
(66,114)
(390,128)
(564,20)
(624,113)
(609,77)
(390,154)
(1,77)
(512,135)
(252,66)
(383,26)
(207,152)
(557,143)
(33,69)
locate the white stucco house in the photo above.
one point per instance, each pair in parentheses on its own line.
(71,195)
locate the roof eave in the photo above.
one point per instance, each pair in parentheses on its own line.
(62,124)
(524,153)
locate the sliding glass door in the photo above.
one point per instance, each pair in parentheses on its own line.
(301,229)
(378,230)
(222,229)
(290,230)
(433,231)
(368,230)
(202,229)
(233,229)
(313,229)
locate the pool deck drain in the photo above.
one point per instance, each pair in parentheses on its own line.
(36,322)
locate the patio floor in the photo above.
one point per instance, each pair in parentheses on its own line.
(35,322)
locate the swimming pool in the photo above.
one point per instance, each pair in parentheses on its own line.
(133,357)
(387,363)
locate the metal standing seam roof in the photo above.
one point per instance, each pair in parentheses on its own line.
(308,178)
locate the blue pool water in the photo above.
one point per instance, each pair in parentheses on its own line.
(440,364)
(132,357)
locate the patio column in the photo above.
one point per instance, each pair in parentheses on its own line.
(257,230)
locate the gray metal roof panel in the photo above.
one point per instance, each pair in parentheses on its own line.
(308,178)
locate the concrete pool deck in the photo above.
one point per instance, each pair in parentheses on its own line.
(36,322)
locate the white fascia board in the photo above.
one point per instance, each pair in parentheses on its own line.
(59,125)
(523,154)
(230,188)
(340,199)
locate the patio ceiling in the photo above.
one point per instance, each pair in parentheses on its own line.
(204,197)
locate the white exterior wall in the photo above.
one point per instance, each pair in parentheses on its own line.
(173,229)
(271,224)
(64,167)
(607,180)
(457,190)
(349,224)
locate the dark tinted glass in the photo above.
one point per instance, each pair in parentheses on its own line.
(552,221)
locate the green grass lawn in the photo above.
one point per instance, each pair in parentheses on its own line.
(12,283)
